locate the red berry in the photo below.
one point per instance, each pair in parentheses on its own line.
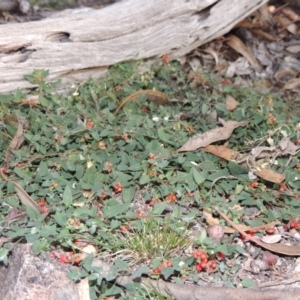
(203,264)
(63,258)
(213,264)
(271,230)
(220,255)
(250,232)
(169,263)
(198,268)
(151,156)
(293,224)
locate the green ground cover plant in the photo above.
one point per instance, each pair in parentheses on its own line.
(115,181)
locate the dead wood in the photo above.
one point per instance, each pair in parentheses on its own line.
(80,42)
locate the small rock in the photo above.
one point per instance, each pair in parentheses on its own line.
(216,232)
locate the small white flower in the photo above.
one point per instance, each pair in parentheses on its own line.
(251,175)
(193,163)
(166,118)
(33,230)
(296,178)
(155,119)
(181,264)
(270,141)
(75,93)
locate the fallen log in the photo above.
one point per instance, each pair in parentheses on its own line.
(76,43)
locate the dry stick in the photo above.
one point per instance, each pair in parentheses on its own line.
(278,248)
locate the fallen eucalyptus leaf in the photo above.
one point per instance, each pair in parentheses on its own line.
(21,123)
(156,97)
(235,43)
(211,136)
(25,198)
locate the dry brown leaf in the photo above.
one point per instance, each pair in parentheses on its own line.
(291,14)
(158,98)
(220,151)
(294,49)
(25,198)
(262,34)
(287,147)
(18,139)
(211,136)
(270,175)
(246,23)
(292,84)
(213,53)
(282,75)
(210,220)
(292,28)
(235,43)
(286,23)
(231,103)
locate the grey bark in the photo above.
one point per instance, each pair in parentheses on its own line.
(76,43)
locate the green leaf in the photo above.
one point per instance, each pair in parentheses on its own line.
(167,272)
(67,197)
(199,177)
(40,245)
(128,193)
(74,274)
(246,282)
(165,137)
(32,213)
(115,224)
(159,208)
(114,290)
(202,236)
(239,188)
(60,218)
(43,169)
(140,271)
(113,211)
(120,264)
(236,169)
(3,255)
(43,101)
(87,262)
(144,179)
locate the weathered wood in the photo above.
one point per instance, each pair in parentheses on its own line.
(77,42)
